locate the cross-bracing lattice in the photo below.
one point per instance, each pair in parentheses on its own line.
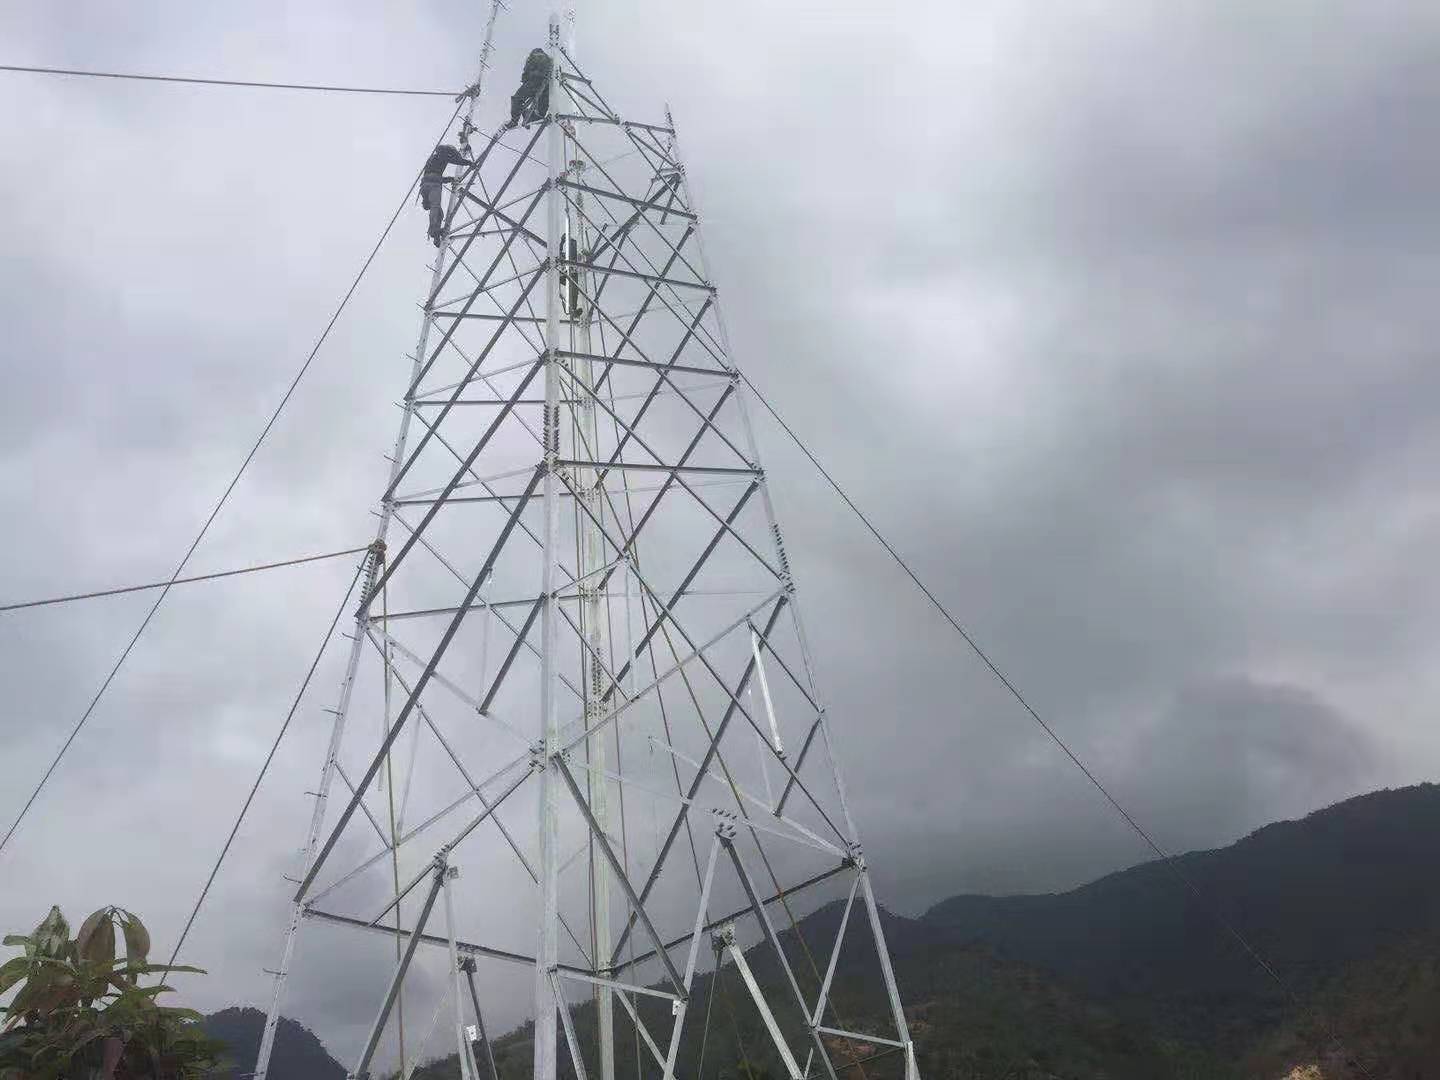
(579,670)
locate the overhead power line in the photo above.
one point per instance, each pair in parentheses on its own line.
(72,597)
(235,480)
(265,766)
(254,83)
(1171,863)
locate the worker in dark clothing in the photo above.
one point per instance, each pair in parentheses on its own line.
(532,100)
(432,179)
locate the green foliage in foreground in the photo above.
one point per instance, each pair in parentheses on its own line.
(80,1013)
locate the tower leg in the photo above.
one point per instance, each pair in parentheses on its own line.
(317,821)
(463,1047)
(362,1068)
(374,560)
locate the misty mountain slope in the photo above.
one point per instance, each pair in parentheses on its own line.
(298,1054)
(1312,895)
(1126,978)
(1383,1011)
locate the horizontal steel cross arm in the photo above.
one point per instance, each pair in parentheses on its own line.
(622,123)
(715,924)
(640,466)
(630,199)
(468,947)
(625,361)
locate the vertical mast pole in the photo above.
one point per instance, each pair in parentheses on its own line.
(547,952)
(593,606)
(594,612)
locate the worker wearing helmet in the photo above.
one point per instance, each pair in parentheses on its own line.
(432,177)
(532,100)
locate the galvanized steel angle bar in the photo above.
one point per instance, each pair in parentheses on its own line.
(626,361)
(820,1000)
(616,984)
(576,1058)
(622,878)
(682,816)
(345,779)
(590,649)
(465,465)
(690,576)
(411,834)
(670,185)
(806,837)
(469,948)
(498,614)
(775,655)
(800,759)
(500,398)
(860,1036)
(627,336)
(670,479)
(409,705)
(509,178)
(375,635)
(489,805)
(639,275)
(663,373)
(715,924)
(481,288)
(529,306)
(378,1028)
(774,940)
(571,739)
(470,296)
(479,360)
(581,72)
(589,189)
(659,277)
(520,638)
(640,1027)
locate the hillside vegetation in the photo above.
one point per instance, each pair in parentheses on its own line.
(1126,978)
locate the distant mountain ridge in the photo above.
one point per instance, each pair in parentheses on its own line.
(298,1053)
(1129,977)
(1312,896)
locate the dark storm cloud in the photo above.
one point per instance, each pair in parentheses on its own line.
(1118,318)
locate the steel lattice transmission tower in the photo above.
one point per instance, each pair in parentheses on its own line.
(579,669)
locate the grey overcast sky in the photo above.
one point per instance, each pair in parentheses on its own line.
(1118,315)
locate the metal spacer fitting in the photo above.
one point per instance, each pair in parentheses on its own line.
(724,824)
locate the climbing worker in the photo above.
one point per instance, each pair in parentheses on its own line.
(532,100)
(432,177)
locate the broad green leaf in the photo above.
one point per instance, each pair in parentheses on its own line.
(54,963)
(12,971)
(95,941)
(25,940)
(53,933)
(137,938)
